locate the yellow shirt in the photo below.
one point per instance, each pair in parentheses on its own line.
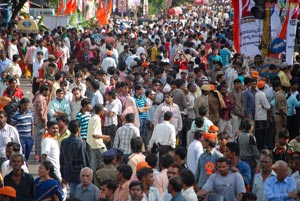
(94,128)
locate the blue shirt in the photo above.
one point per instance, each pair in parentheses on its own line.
(59,105)
(249,102)
(278,191)
(245,171)
(211,60)
(225,55)
(201,175)
(178,197)
(3,64)
(140,103)
(292,102)
(23,123)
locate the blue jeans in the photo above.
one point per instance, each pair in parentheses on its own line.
(72,186)
(27,144)
(143,127)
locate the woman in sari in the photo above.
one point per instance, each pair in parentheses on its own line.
(47,186)
(130,107)
(58,53)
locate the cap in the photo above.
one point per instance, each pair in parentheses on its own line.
(119,152)
(213,128)
(205,87)
(110,153)
(142,165)
(109,53)
(254,74)
(261,84)
(210,136)
(285,84)
(9,191)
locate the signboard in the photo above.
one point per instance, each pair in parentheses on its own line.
(122,6)
(28,25)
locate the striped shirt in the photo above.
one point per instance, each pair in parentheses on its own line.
(140,103)
(114,107)
(23,123)
(123,137)
(84,122)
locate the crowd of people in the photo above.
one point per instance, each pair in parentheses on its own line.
(164,111)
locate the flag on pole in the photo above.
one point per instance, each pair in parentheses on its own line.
(101,14)
(146,9)
(70,7)
(109,7)
(60,7)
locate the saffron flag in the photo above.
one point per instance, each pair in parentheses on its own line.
(109,7)
(60,7)
(101,14)
(70,7)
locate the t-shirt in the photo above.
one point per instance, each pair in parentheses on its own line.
(229,186)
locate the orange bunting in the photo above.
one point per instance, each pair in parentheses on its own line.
(101,14)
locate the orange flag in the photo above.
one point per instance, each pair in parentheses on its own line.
(69,7)
(101,14)
(109,7)
(74,6)
(60,7)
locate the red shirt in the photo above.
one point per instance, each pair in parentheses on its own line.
(18,93)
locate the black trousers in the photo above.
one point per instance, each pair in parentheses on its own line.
(261,128)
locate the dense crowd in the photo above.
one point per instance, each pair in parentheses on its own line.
(164,111)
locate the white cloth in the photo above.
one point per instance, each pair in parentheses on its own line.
(258,186)
(6,168)
(108,62)
(189,194)
(50,148)
(261,106)
(12,50)
(164,134)
(195,149)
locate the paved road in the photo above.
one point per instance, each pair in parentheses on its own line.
(33,165)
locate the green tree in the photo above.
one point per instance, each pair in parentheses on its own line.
(157,6)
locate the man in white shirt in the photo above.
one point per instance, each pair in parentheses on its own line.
(261,119)
(40,48)
(108,61)
(95,137)
(195,149)
(35,74)
(97,96)
(12,48)
(167,141)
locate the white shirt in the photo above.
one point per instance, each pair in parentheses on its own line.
(35,68)
(189,194)
(12,50)
(108,62)
(97,98)
(258,186)
(261,106)
(140,50)
(195,149)
(50,148)
(168,137)
(39,49)
(6,168)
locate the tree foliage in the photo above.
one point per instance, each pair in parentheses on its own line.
(16,6)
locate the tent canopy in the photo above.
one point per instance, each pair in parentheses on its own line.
(175,11)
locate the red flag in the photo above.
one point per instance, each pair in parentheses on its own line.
(60,7)
(74,6)
(101,14)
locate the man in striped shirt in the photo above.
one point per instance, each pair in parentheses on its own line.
(23,121)
(143,107)
(125,133)
(83,116)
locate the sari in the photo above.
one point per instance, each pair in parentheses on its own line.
(45,190)
(130,107)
